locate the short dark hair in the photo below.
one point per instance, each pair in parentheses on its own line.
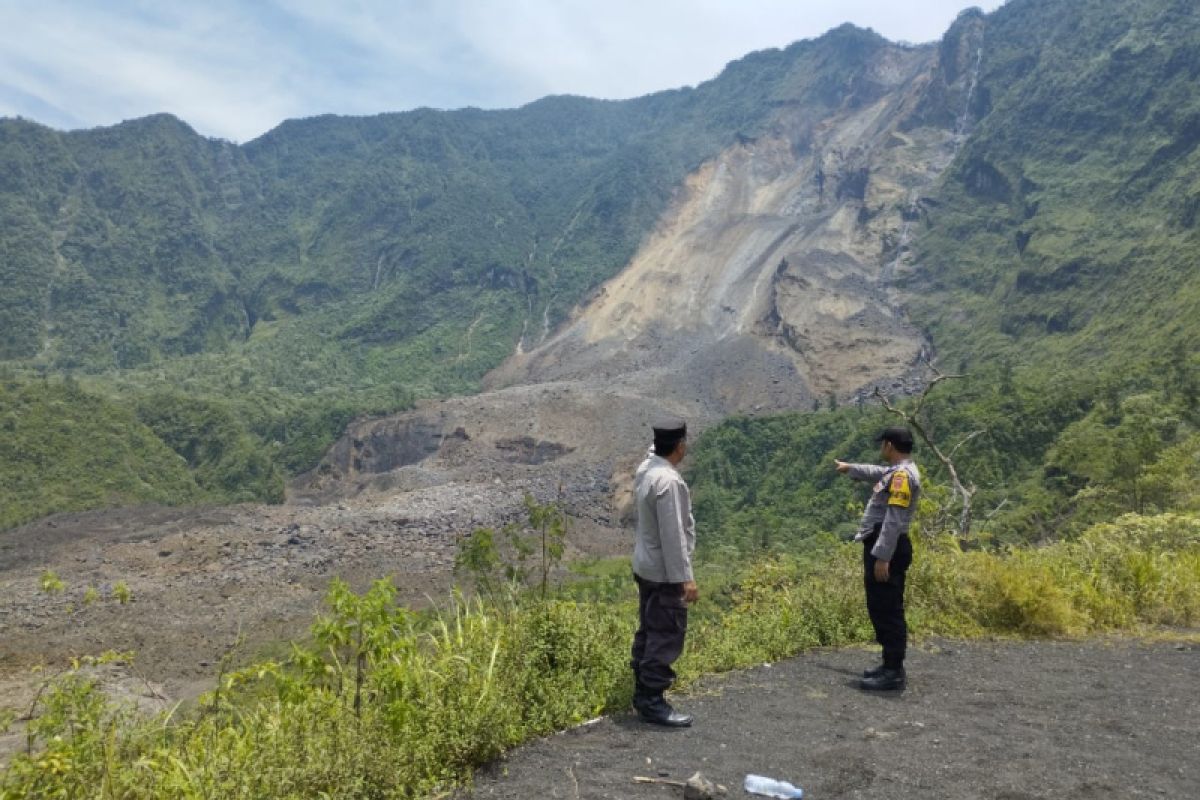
(666,444)
(900,437)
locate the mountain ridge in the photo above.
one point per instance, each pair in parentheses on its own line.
(290,272)
(210,172)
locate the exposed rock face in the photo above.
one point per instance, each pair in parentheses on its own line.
(767,283)
(766,287)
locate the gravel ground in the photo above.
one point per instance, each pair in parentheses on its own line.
(1111,718)
(203,578)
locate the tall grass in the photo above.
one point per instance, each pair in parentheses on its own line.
(385,703)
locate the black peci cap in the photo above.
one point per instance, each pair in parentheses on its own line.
(668,434)
(900,436)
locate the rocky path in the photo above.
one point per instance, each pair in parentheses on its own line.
(1106,719)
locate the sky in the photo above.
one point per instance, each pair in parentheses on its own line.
(234,69)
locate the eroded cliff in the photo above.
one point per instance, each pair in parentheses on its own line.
(766,286)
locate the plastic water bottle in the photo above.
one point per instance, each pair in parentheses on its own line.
(769,787)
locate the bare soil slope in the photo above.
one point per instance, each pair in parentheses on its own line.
(766,287)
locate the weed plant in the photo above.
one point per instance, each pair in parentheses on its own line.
(383,702)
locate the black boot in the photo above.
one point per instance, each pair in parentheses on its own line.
(653,707)
(642,694)
(875,672)
(889,679)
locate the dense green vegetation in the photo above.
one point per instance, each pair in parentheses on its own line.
(382,702)
(73,444)
(1050,457)
(358,250)
(1064,236)
(342,266)
(223,457)
(1054,265)
(64,449)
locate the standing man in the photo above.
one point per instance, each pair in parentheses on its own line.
(887,550)
(662,567)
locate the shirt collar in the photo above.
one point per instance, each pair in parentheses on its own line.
(659,461)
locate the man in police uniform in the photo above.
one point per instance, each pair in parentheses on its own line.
(887,550)
(662,567)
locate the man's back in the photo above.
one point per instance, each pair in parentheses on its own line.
(666,533)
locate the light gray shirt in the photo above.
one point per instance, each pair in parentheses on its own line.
(666,530)
(892,505)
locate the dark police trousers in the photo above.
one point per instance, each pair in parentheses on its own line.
(662,626)
(885,601)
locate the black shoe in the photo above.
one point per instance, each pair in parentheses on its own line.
(660,712)
(888,680)
(874,673)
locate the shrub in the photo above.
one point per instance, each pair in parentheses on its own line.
(383,702)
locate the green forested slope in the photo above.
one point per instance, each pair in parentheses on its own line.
(379,239)
(64,449)
(1055,266)
(1050,456)
(1066,233)
(344,265)
(339,266)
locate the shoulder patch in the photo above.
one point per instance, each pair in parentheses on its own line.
(899,491)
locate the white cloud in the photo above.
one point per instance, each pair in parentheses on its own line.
(630,48)
(104,67)
(236,69)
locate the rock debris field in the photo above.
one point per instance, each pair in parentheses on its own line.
(202,578)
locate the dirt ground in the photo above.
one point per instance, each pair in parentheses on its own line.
(1112,718)
(203,580)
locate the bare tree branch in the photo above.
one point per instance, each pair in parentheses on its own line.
(963,491)
(964,440)
(996,510)
(938,377)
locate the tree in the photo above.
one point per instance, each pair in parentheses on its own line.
(963,491)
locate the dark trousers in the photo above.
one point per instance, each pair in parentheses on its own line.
(885,601)
(662,627)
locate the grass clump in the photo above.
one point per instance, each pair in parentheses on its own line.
(383,702)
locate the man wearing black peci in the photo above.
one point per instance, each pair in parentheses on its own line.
(662,567)
(887,550)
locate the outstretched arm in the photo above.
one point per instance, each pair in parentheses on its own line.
(860,472)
